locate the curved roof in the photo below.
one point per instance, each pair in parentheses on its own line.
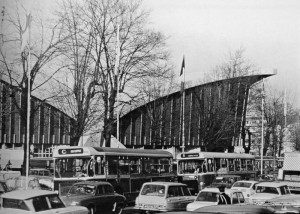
(213,115)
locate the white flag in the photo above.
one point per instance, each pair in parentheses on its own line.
(25,33)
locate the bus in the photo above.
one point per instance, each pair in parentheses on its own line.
(198,169)
(270,165)
(125,169)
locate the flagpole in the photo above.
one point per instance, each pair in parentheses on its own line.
(117,81)
(28,102)
(183,104)
(262,129)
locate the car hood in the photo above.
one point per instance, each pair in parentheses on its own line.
(77,198)
(198,204)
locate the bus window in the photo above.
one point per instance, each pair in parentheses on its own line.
(165,165)
(99,166)
(135,166)
(243,164)
(210,165)
(124,166)
(112,165)
(191,166)
(237,164)
(231,165)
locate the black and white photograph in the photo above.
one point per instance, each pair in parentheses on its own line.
(149,106)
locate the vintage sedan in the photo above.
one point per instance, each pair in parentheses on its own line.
(36,201)
(163,196)
(246,187)
(98,197)
(208,197)
(268,190)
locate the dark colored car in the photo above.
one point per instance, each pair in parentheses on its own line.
(98,197)
(225,180)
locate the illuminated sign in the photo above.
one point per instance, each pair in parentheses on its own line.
(191,155)
(70,151)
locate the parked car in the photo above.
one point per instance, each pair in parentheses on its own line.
(246,187)
(208,197)
(267,190)
(36,201)
(225,180)
(163,196)
(19,183)
(98,197)
(285,200)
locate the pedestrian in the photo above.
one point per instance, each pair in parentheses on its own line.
(223,197)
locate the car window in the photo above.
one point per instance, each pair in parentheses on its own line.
(241,197)
(153,190)
(235,199)
(207,196)
(174,191)
(14,203)
(108,189)
(40,204)
(55,202)
(270,190)
(242,184)
(284,190)
(186,191)
(83,189)
(254,186)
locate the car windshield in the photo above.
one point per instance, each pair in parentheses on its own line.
(242,184)
(264,189)
(82,189)
(207,196)
(153,190)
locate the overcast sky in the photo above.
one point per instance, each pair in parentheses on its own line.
(205,31)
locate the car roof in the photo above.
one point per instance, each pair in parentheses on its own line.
(210,189)
(271,184)
(246,181)
(26,194)
(93,183)
(164,183)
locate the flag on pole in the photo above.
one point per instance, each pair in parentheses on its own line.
(25,33)
(117,62)
(182,74)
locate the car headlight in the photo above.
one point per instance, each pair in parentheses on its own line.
(74,203)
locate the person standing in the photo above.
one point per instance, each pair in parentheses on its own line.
(223,197)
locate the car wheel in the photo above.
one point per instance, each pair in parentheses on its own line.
(118,208)
(91,210)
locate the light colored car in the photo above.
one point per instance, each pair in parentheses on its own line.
(246,187)
(208,197)
(268,190)
(163,196)
(36,201)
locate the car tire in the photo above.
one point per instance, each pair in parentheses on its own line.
(91,210)
(118,208)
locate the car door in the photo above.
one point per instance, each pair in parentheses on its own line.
(105,199)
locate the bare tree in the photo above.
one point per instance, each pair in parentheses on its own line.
(93,25)
(45,47)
